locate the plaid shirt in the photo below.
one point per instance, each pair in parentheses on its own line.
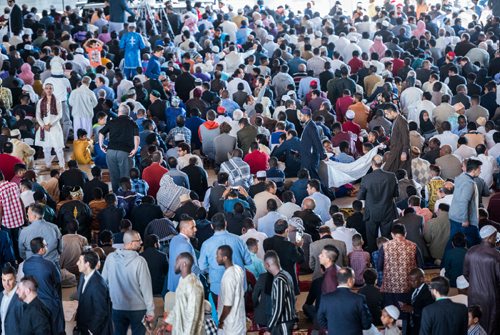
(139,186)
(12,207)
(179,130)
(239,172)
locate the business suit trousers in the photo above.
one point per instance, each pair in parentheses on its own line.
(123,319)
(372,227)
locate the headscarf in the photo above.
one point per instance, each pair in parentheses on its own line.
(378,46)
(420,31)
(33,96)
(426,126)
(26,75)
(169,194)
(43,105)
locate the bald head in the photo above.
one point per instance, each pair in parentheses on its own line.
(377,162)
(445,150)
(309,203)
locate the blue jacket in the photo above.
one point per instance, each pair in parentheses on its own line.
(464,206)
(14,315)
(117,9)
(153,70)
(6,251)
(179,244)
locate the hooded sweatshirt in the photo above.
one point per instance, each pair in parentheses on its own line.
(129,280)
(208,131)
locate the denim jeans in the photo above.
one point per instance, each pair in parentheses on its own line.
(119,165)
(123,319)
(471,233)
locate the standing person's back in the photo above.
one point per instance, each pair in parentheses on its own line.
(129,281)
(157,263)
(444,316)
(344,310)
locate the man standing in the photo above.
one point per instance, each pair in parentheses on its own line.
(39,227)
(61,89)
(316,248)
(11,310)
(282,296)
(180,244)
(231,302)
(48,278)
(133,43)
(123,145)
(328,256)
(127,272)
(465,204)
(117,11)
(399,157)
(153,72)
(208,260)
(344,310)
(93,315)
(482,271)
(311,150)
(187,316)
(379,189)
(15,18)
(444,316)
(82,102)
(420,298)
(36,316)
(12,211)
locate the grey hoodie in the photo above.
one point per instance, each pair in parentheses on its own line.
(129,280)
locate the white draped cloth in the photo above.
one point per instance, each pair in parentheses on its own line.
(343,173)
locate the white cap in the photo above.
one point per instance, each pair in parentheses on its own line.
(179,137)
(353,38)
(350,114)
(270,37)
(290,93)
(15,133)
(215,49)
(318,33)
(487,231)
(462,283)
(285,98)
(393,311)
(79,51)
(259,23)
(385,23)
(261,174)
(237,114)
(296,222)
(132,24)
(240,11)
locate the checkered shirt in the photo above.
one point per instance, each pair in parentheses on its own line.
(12,207)
(420,170)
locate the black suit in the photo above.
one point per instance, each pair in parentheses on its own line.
(444,317)
(288,253)
(344,312)
(144,214)
(311,150)
(158,267)
(16,20)
(419,302)
(88,189)
(73,177)
(94,306)
(379,189)
(184,84)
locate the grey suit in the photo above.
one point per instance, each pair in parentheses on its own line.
(315,249)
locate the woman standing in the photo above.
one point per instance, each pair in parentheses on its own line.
(50,134)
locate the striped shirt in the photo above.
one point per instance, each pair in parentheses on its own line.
(476,330)
(283,299)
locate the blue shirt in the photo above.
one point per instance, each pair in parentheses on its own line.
(179,244)
(230,106)
(132,43)
(343,158)
(208,255)
(323,204)
(110,94)
(266,223)
(257,266)
(153,70)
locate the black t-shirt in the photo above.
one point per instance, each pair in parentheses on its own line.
(122,131)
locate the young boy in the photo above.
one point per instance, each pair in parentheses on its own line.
(375,255)
(82,147)
(390,314)
(374,298)
(99,155)
(359,259)
(474,317)
(257,266)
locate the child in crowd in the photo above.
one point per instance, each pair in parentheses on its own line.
(359,259)
(257,266)
(453,260)
(19,171)
(474,318)
(375,255)
(82,147)
(374,298)
(390,314)
(99,155)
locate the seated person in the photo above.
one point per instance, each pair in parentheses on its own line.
(82,147)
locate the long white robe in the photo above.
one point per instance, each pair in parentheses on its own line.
(54,138)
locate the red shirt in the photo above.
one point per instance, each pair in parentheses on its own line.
(341,106)
(352,127)
(356,64)
(7,163)
(397,64)
(152,175)
(258,161)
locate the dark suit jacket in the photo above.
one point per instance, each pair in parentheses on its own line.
(288,253)
(310,140)
(344,310)
(36,319)
(158,267)
(73,177)
(16,19)
(379,189)
(144,214)
(94,306)
(88,189)
(444,317)
(14,315)
(422,300)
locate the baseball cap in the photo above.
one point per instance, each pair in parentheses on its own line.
(451,55)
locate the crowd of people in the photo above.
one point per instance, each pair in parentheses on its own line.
(225,147)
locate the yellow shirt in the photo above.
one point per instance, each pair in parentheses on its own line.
(81,151)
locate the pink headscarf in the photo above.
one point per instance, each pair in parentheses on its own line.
(26,75)
(420,31)
(378,46)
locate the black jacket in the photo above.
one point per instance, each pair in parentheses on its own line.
(311,221)
(158,267)
(75,209)
(144,214)
(444,317)
(345,310)
(73,177)
(379,189)
(36,319)
(88,189)
(110,217)
(94,306)
(183,85)
(198,181)
(374,300)
(423,299)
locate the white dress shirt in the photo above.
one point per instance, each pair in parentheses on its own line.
(447,137)
(86,280)
(7,297)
